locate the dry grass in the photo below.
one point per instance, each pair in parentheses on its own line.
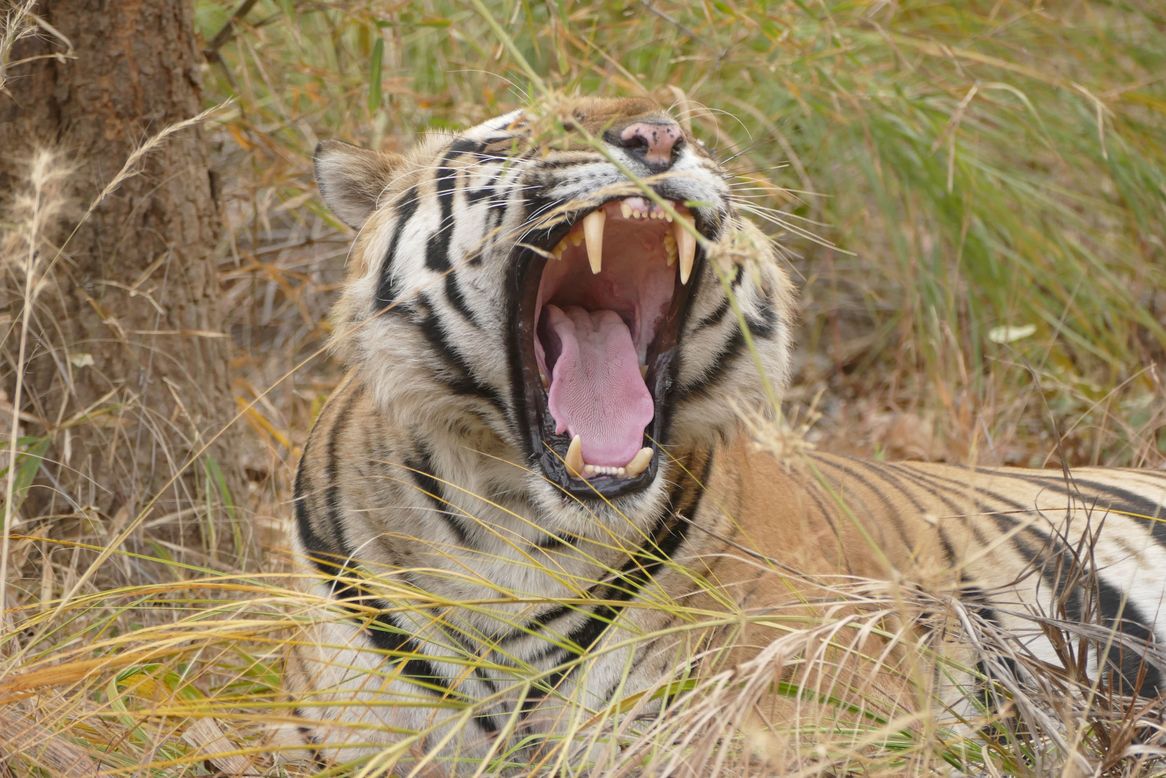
(993,177)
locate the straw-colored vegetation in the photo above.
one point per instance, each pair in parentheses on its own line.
(970,197)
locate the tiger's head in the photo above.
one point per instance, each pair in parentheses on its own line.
(561,287)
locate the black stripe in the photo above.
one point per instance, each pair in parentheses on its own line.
(948,549)
(738,276)
(722,363)
(462,635)
(311,740)
(767,326)
(437,248)
(724,306)
(665,538)
(389,636)
(421,469)
(453,292)
(940,485)
(884,472)
(540,621)
(1131,502)
(331,466)
(474,195)
(388,291)
(505,138)
(892,512)
(300,491)
(896,478)
(977,600)
(921,480)
(669,693)
(1156,478)
(714,317)
(494,215)
(954,509)
(1136,676)
(813,491)
(727,358)
(463,381)
(550,542)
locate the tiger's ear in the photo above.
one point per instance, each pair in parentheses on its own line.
(351,179)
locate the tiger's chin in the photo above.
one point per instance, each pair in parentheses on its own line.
(596,327)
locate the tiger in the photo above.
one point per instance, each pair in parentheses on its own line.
(537,516)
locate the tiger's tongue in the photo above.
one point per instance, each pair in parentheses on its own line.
(596,390)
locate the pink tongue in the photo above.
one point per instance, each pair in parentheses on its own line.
(596,388)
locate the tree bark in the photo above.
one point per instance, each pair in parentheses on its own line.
(125,374)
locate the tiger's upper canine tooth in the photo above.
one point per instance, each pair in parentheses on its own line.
(685,246)
(639,463)
(593,235)
(574,458)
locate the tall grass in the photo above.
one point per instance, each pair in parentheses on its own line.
(970,195)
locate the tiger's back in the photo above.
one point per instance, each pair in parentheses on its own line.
(519,534)
(1017,546)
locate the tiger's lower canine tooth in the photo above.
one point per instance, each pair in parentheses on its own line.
(685,247)
(593,235)
(639,463)
(574,458)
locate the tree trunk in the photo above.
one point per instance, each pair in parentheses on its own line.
(125,366)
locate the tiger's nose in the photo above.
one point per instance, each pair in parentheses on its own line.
(652,141)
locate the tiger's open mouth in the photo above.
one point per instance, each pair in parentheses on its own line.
(599,313)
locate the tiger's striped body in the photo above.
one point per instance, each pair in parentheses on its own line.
(490,598)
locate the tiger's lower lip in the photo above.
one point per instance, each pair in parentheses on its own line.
(578,468)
